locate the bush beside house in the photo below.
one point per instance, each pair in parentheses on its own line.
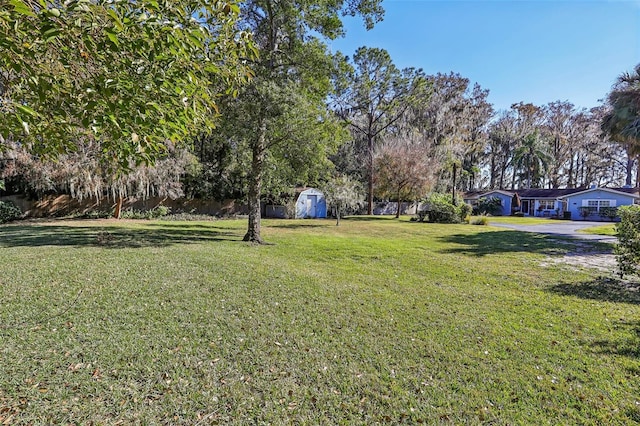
(489,205)
(628,248)
(438,208)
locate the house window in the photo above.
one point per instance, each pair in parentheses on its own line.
(595,205)
(546,205)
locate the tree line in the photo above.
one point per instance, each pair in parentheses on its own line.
(245,100)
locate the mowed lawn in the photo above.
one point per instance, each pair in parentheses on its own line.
(376,321)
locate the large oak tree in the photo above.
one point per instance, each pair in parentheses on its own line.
(284,107)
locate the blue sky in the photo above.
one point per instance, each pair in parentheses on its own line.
(530,51)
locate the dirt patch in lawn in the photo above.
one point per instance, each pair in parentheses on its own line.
(582,254)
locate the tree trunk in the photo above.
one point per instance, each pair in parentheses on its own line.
(337,216)
(492,179)
(570,183)
(255,187)
(118,211)
(370,189)
(503,172)
(453,186)
(629,170)
(513,177)
(398,209)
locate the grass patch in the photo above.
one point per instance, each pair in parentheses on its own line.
(520,220)
(372,322)
(609,229)
(479,220)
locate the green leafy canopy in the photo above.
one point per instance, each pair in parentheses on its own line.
(130,74)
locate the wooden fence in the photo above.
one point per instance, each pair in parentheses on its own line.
(64,205)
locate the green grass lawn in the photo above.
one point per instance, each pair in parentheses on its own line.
(527,220)
(377,321)
(608,229)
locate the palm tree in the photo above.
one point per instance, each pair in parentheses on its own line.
(622,122)
(532,156)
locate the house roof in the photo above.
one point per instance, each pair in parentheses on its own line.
(549,193)
(473,195)
(632,192)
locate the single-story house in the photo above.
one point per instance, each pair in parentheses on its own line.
(555,202)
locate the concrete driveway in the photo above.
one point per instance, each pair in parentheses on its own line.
(561,228)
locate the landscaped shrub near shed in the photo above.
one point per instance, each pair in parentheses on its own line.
(9,212)
(439,209)
(628,247)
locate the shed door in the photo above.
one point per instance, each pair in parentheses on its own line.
(312,202)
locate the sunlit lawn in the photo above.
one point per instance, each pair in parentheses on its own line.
(377,321)
(608,229)
(527,220)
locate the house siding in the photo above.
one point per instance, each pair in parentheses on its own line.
(574,202)
(505,199)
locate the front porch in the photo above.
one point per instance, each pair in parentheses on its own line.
(543,207)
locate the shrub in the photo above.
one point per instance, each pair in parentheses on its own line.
(491,205)
(464,211)
(480,220)
(609,213)
(161,211)
(156,213)
(189,216)
(421,216)
(585,212)
(628,248)
(9,212)
(439,209)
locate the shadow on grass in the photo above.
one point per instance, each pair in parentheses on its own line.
(628,346)
(188,225)
(111,237)
(633,414)
(604,289)
(376,218)
(607,289)
(492,242)
(299,225)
